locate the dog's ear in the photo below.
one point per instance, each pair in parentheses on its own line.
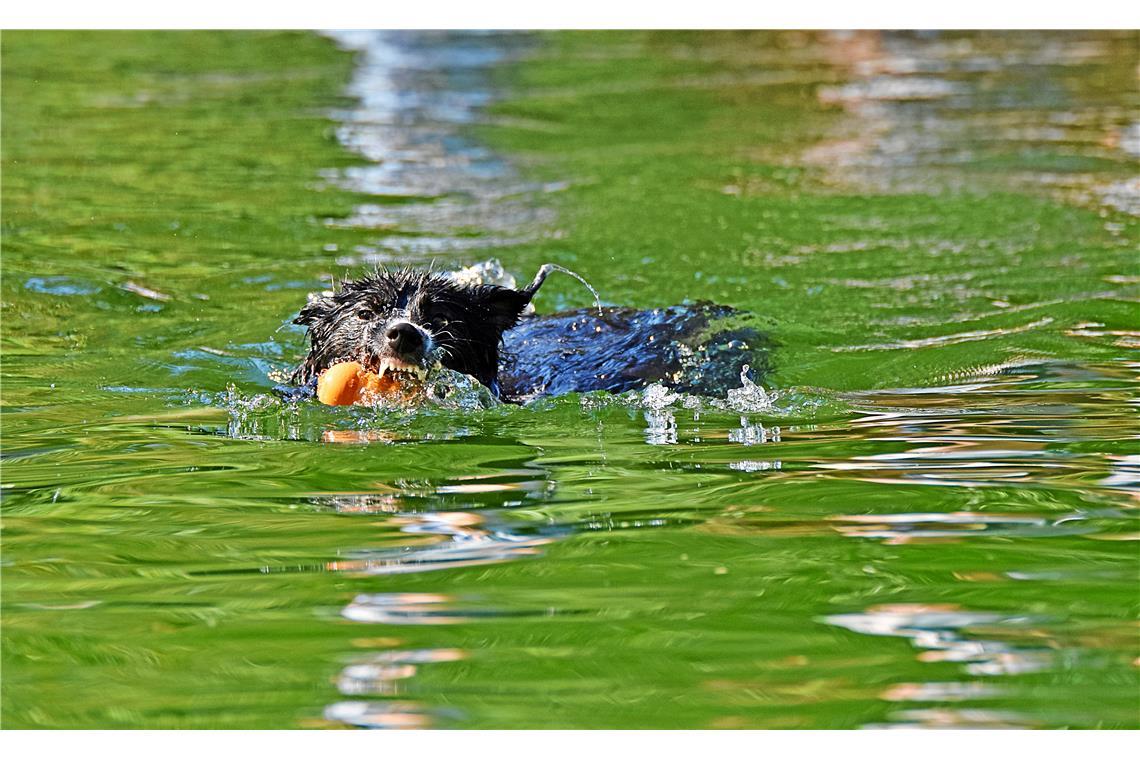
(505,306)
(318,307)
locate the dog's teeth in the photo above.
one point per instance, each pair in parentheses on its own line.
(397,368)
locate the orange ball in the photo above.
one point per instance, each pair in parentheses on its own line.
(339,385)
(349,383)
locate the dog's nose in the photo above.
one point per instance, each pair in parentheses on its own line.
(404,337)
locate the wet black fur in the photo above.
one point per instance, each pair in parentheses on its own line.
(480,330)
(464,322)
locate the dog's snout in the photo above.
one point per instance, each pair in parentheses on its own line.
(404,337)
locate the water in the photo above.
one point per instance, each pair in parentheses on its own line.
(923,513)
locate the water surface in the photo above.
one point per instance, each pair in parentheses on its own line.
(925,517)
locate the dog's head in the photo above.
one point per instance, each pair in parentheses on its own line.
(406,321)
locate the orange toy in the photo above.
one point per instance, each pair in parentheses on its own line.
(349,383)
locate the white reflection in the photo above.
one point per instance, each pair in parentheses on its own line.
(417,93)
(470,541)
(942,630)
(660,427)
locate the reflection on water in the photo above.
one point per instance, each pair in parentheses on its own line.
(943,632)
(379,674)
(435,541)
(992,431)
(952,691)
(437,190)
(388,714)
(470,541)
(952,718)
(410,609)
(904,528)
(929,112)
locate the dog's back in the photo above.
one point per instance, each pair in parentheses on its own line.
(623,349)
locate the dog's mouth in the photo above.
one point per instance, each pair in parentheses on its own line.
(395,368)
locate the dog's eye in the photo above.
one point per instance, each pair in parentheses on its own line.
(365,315)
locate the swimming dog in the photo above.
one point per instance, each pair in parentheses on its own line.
(405,322)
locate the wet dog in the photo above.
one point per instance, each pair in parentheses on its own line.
(405,322)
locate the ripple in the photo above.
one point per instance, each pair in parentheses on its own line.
(954,718)
(426,609)
(948,691)
(909,528)
(61,286)
(944,631)
(389,715)
(380,674)
(931,113)
(438,192)
(1122,196)
(947,340)
(472,541)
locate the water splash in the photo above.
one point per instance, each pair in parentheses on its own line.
(261,416)
(749,397)
(489,272)
(544,272)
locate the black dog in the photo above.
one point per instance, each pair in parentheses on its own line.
(407,321)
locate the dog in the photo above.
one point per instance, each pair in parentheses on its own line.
(405,322)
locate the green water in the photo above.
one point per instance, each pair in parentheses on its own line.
(931,520)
